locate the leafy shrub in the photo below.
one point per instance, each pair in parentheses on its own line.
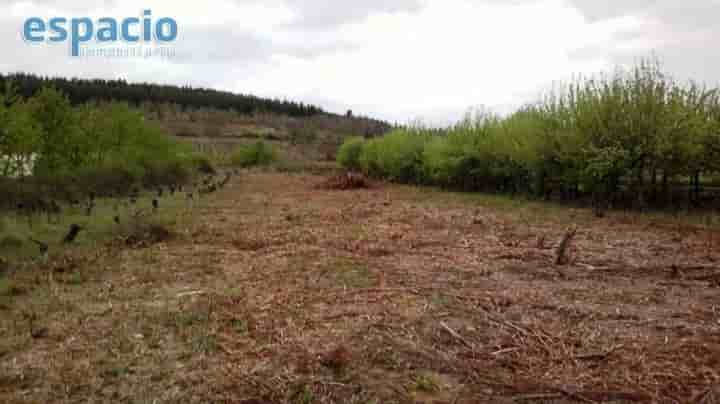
(449,161)
(397,156)
(625,137)
(370,157)
(49,147)
(349,153)
(252,155)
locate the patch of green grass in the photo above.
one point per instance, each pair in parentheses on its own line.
(359,232)
(9,288)
(205,343)
(188,319)
(426,383)
(351,274)
(240,326)
(115,372)
(493,201)
(5,287)
(439,300)
(16,230)
(534,211)
(75,278)
(303,395)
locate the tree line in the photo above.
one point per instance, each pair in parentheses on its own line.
(632,138)
(81,91)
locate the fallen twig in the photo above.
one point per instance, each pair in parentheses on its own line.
(457,336)
(504,351)
(598,356)
(193,293)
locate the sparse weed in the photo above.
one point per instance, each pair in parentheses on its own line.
(8,288)
(76,278)
(240,326)
(115,372)
(348,273)
(136,230)
(205,343)
(426,383)
(187,319)
(303,395)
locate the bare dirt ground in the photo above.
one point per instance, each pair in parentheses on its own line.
(277,291)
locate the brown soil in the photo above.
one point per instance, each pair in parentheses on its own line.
(277,291)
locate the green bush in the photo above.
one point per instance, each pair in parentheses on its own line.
(202,164)
(626,137)
(49,147)
(349,154)
(62,140)
(397,156)
(451,161)
(369,158)
(252,155)
(401,156)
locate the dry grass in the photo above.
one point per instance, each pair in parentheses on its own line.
(346,181)
(280,292)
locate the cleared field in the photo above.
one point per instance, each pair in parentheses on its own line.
(278,291)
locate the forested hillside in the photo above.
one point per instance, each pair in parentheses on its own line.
(82,91)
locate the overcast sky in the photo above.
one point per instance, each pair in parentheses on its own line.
(393,59)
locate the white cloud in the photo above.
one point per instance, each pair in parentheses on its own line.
(449,56)
(397,59)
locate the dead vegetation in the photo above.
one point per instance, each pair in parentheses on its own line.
(280,292)
(144,234)
(346,181)
(564,247)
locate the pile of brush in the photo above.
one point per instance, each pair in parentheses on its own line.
(346,181)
